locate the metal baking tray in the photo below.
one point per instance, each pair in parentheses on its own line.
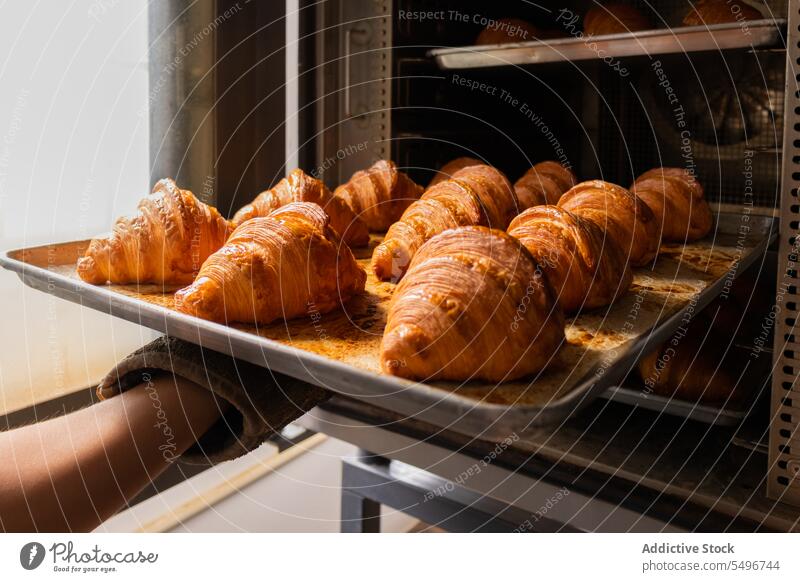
(715,37)
(339,350)
(675,407)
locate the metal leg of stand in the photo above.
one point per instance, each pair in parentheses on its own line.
(359,514)
(368,485)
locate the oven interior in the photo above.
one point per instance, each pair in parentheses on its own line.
(713,112)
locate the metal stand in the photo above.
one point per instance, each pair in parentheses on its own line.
(368,484)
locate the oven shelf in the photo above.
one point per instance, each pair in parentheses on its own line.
(709,414)
(688,39)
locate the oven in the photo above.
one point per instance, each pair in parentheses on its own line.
(333,86)
(406,78)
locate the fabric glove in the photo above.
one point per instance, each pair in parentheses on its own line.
(261,402)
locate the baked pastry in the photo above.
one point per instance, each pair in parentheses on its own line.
(585,268)
(614,18)
(456,315)
(700,365)
(720,12)
(676,199)
(507,30)
(620,214)
(165,242)
(544,183)
(300,187)
(379,195)
(475,195)
(682,373)
(279,266)
(446,172)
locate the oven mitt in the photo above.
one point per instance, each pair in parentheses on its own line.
(261,402)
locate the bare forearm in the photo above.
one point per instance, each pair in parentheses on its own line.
(73,472)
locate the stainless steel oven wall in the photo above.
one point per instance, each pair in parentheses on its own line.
(217,107)
(784,436)
(181,94)
(353,80)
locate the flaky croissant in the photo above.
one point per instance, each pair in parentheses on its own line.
(473,305)
(698,364)
(475,195)
(620,213)
(446,172)
(506,30)
(585,268)
(165,242)
(720,12)
(300,187)
(544,183)
(676,199)
(613,18)
(379,195)
(288,264)
(692,371)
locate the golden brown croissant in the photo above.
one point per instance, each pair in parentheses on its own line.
(698,368)
(446,172)
(676,199)
(720,12)
(621,214)
(165,242)
(585,268)
(544,183)
(379,195)
(284,265)
(475,195)
(473,305)
(507,30)
(300,187)
(614,18)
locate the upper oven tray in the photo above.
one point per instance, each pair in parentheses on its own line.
(339,350)
(715,37)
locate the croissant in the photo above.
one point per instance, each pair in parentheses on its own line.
(621,214)
(676,199)
(720,12)
(379,195)
(699,363)
(544,183)
(697,369)
(507,30)
(165,242)
(473,305)
(585,268)
(300,187)
(475,195)
(695,188)
(446,172)
(614,18)
(284,265)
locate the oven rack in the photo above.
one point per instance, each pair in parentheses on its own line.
(687,39)
(708,414)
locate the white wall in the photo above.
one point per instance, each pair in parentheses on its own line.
(73,156)
(302,495)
